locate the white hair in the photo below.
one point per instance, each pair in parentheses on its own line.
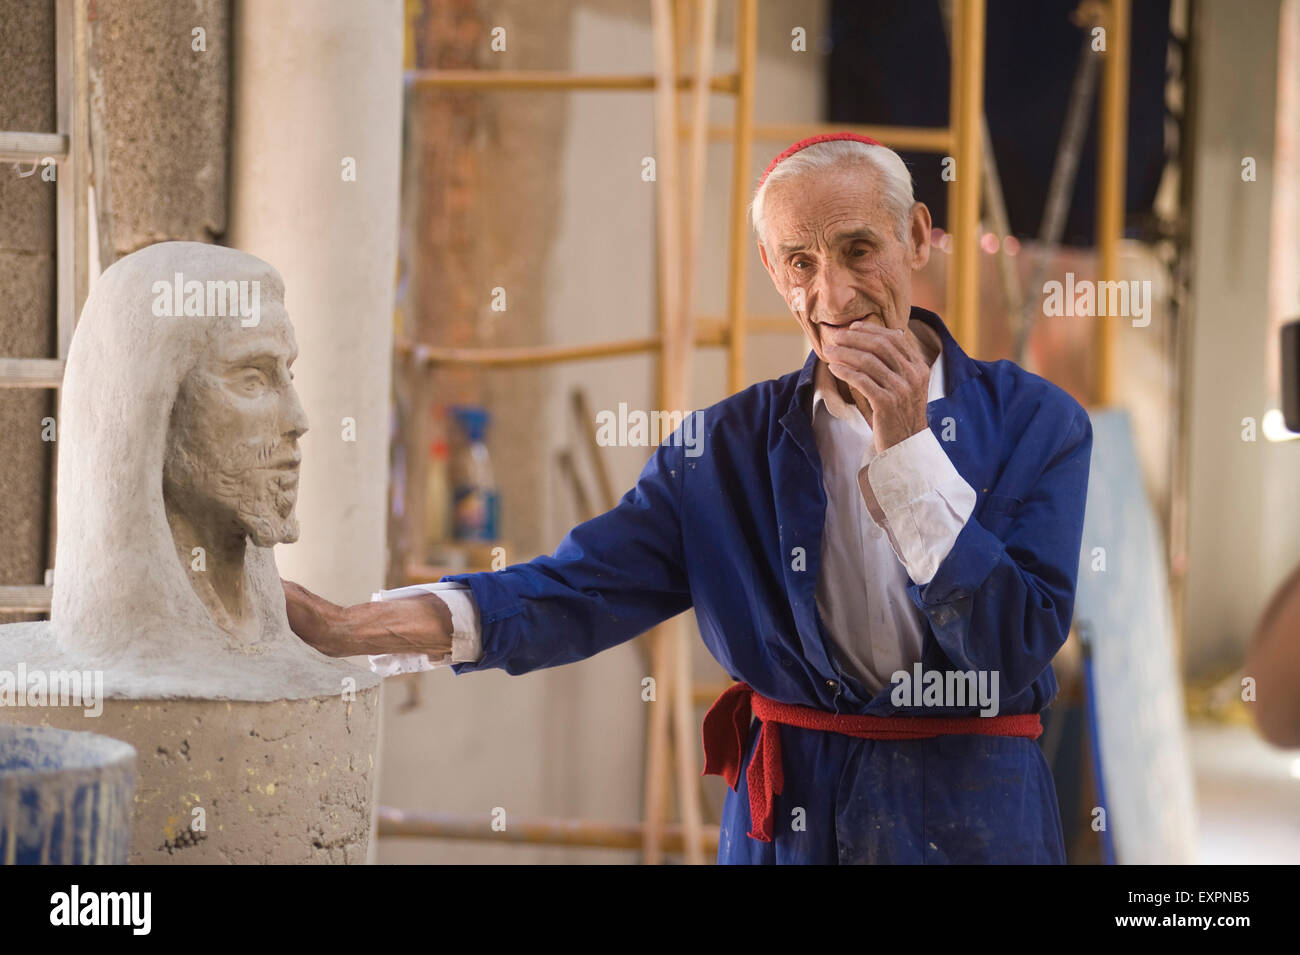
(895,180)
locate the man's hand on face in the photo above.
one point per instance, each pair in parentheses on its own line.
(420,624)
(887,368)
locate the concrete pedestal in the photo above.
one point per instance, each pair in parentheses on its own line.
(289,781)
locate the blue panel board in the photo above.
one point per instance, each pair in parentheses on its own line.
(1136,697)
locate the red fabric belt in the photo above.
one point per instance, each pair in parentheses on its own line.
(726,731)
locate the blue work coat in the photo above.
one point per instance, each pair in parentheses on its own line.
(723,530)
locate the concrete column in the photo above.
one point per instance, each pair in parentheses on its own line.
(1242,534)
(317,113)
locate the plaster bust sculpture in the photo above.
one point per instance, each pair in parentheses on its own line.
(177,473)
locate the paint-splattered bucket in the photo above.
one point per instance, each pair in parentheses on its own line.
(65,797)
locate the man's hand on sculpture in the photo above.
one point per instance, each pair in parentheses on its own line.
(420,624)
(314,619)
(888,368)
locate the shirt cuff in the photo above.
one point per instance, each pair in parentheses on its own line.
(917,496)
(466,630)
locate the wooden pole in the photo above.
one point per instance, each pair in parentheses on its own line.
(526,355)
(586,422)
(739,249)
(697,164)
(966,107)
(668,390)
(590,833)
(420,392)
(993,204)
(1112,159)
(676,346)
(656,761)
(683,709)
(686,743)
(547,80)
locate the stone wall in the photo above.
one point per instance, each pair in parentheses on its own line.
(165,72)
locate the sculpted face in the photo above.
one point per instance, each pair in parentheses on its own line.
(232,456)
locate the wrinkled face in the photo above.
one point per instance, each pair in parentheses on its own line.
(232,450)
(832,248)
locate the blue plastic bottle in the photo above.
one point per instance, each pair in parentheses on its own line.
(474,491)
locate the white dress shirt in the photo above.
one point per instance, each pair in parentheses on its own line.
(889,516)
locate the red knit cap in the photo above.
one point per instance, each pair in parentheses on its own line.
(811,141)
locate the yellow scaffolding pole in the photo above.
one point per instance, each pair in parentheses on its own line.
(1112,146)
(966,110)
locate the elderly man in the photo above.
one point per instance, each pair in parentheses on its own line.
(880,548)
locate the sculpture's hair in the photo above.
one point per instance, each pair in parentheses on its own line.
(895,181)
(116,568)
